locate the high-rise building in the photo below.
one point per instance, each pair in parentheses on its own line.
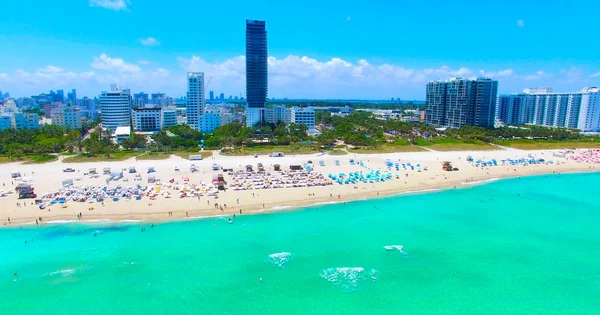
(256,70)
(195,98)
(88,107)
(115,108)
(212,95)
(60,96)
(66,116)
(222,97)
(72,97)
(544,107)
(458,102)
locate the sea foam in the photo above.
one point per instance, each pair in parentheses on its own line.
(398,248)
(478,182)
(63,273)
(280,259)
(348,278)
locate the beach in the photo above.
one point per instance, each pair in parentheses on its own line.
(174,172)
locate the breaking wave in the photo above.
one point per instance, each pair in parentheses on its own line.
(280,259)
(348,278)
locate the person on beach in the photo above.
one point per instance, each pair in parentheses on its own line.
(8,220)
(187,214)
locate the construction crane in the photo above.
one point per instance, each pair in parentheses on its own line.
(206,86)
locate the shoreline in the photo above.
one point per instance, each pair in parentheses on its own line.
(278,207)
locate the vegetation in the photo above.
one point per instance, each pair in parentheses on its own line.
(359,132)
(109,157)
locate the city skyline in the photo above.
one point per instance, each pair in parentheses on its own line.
(351,54)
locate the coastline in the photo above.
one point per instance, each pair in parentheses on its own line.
(291,199)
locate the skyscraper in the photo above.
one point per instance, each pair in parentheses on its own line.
(72,97)
(222,97)
(256,70)
(543,106)
(140,99)
(458,102)
(60,96)
(115,107)
(195,98)
(212,95)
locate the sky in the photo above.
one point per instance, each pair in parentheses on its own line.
(318,49)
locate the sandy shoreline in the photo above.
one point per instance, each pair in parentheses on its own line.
(48,177)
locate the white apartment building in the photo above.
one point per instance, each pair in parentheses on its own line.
(304,116)
(115,107)
(209,121)
(146,119)
(195,98)
(169,117)
(544,107)
(66,115)
(11,117)
(277,114)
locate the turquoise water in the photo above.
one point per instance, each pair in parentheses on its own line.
(477,250)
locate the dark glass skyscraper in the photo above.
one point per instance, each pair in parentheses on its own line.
(256,64)
(458,102)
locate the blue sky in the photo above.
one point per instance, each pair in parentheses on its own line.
(319,49)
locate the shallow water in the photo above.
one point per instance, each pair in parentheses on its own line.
(477,250)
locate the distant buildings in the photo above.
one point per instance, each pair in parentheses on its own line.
(66,116)
(256,71)
(115,107)
(72,97)
(195,98)
(88,107)
(12,117)
(212,95)
(544,107)
(458,102)
(140,99)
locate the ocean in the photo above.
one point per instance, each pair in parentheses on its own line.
(516,246)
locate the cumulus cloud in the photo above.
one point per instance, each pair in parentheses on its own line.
(104,62)
(150,41)
(521,23)
(116,5)
(292,76)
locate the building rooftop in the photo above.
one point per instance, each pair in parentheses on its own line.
(123,130)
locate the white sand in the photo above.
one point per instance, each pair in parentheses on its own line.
(49,177)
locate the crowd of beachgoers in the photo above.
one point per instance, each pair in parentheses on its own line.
(586,156)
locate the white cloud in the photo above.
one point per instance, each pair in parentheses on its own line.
(535,76)
(144,62)
(521,23)
(498,74)
(150,41)
(292,76)
(116,5)
(104,62)
(595,75)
